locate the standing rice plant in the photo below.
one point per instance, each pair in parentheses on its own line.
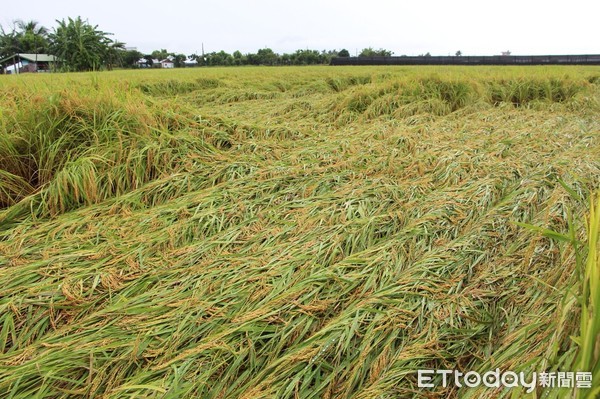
(456,94)
(588,357)
(588,272)
(521,92)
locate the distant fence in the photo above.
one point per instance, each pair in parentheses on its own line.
(584,59)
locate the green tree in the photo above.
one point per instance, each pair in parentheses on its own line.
(9,42)
(266,56)
(130,58)
(224,58)
(81,46)
(179,60)
(238,58)
(149,59)
(306,57)
(286,59)
(344,53)
(32,37)
(370,52)
(326,56)
(161,54)
(115,52)
(24,37)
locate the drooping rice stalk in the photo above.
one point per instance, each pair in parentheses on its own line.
(294,232)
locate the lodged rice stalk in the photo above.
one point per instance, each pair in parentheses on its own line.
(296,232)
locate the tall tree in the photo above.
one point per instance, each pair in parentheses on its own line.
(238,58)
(32,36)
(179,60)
(114,54)
(306,57)
(81,46)
(266,56)
(9,42)
(161,54)
(23,37)
(370,52)
(344,53)
(130,58)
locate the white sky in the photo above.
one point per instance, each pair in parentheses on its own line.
(404,27)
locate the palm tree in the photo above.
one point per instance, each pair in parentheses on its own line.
(24,37)
(32,37)
(32,27)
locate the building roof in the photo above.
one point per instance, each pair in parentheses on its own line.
(32,57)
(167,60)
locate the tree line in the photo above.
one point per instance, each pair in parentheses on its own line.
(81,46)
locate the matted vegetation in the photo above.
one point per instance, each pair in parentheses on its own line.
(297,232)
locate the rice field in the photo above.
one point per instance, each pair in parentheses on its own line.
(298,232)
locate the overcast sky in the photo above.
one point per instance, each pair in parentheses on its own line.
(405,27)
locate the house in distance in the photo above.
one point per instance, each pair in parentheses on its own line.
(167,63)
(146,63)
(23,63)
